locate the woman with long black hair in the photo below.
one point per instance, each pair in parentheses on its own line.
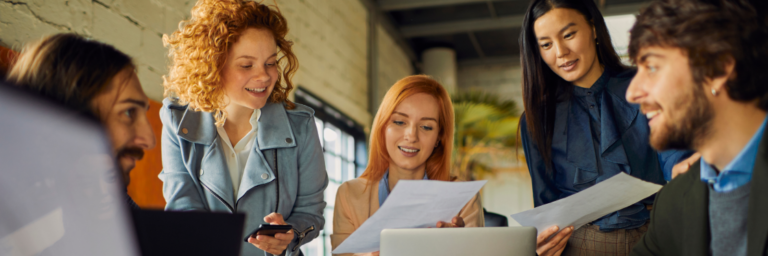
(578,128)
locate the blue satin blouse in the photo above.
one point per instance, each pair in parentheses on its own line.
(598,134)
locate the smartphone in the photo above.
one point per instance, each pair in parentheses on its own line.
(269,230)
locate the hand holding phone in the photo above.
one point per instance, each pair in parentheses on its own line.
(269,230)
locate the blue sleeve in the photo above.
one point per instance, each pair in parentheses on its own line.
(544,189)
(307,214)
(179,186)
(669,158)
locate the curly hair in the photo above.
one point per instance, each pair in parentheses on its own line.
(198,51)
(711,33)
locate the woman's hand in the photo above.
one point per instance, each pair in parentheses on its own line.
(553,246)
(456,222)
(274,245)
(366,254)
(682,167)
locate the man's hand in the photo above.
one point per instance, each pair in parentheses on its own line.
(682,167)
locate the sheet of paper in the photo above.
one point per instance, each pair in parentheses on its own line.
(412,204)
(590,204)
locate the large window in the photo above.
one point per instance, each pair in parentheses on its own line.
(345,158)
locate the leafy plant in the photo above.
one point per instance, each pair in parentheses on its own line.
(485,126)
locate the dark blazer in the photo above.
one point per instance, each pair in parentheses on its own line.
(680,216)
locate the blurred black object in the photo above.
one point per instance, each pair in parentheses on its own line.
(494,219)
(188,233)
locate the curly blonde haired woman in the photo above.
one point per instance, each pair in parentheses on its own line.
(231,140)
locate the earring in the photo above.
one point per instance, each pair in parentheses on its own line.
(714,92)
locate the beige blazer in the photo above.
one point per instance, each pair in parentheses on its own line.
(355,204)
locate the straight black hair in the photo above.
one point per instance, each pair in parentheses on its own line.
(540,84)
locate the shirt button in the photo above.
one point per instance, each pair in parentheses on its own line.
(288,140)
(201,172)
(184,130)
(233,155)
(264,176)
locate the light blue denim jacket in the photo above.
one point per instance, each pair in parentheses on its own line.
(195,175)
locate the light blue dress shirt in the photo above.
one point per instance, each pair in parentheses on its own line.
(739,171)
(384,187)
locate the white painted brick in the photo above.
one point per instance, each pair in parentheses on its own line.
(148,13)
(172,19)
(151,81)
(19,26)
(182,7)
(393,63)
(73,14)
(114,29)
(152,51)
(330,36)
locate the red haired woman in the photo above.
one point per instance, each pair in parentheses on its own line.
(411,139)
(231,140)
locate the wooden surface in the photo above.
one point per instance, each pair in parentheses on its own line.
(6,59)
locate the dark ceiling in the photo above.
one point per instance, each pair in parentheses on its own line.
(479,30)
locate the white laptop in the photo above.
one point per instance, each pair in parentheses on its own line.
(459,241)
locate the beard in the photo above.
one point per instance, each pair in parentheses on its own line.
(125,170)
(691,128)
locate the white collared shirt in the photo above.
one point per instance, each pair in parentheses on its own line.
(237,156)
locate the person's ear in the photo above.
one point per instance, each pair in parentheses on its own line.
(717,84)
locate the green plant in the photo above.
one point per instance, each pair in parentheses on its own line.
(484,125)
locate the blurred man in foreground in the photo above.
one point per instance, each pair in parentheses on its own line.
(92,78)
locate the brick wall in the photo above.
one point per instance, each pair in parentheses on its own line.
(133,26)
(330,39)
(393,64)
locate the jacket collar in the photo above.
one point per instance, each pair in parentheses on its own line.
(696,238)
(757,232)
(274,127)
(274,132)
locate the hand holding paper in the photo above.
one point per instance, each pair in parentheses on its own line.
(586,206)
(412,204)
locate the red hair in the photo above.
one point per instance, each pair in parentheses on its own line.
(438,166)
(199,49)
